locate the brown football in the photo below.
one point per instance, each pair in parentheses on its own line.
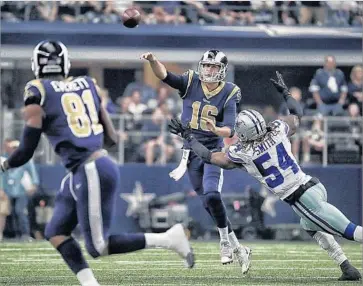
(131,17)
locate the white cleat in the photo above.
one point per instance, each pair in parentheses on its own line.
(180,244)
(243,255)
(226,252)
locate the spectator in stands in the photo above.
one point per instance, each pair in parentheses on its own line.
(111,13)
(312,12)
(297,95)
(296,138)
(136,107)
(168,12)
(44,10)
(18,184)
(146,91)
(240,11)
(314,141)
(263,11)
(164,94)
(356,125)
(329,88)
(67,11)
(356,12)
(355,86)
(211,12)
(287,13)
(107,102)
(158,144)
(131,140)
(91,11)
(14,11)
(269,113)
(340,13)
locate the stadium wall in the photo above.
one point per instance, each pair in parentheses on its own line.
(343,184)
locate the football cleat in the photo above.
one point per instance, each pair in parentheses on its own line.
(226,252)
(180,244)
(243,255)
(350,273)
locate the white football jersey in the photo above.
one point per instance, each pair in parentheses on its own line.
(271,161)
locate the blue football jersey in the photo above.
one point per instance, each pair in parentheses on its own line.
(218,105)
(71,120)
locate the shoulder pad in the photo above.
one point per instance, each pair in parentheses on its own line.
(34,92)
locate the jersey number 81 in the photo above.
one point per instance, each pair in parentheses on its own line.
(80,123)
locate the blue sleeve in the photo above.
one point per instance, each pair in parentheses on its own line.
(230,109)
(230,114)
(28,144)
(33,172)
(180,82)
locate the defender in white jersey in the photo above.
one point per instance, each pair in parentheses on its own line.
(269,159)
(265,153)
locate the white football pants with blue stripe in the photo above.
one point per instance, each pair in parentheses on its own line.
(318,215)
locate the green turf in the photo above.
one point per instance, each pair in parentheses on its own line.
(274,263)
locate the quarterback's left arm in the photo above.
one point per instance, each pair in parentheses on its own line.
(33,116)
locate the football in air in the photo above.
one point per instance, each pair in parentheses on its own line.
(131,18)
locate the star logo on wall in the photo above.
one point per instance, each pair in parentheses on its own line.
(137,199)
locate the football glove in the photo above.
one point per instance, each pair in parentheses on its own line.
(2,165)
(280,85)
(176,127)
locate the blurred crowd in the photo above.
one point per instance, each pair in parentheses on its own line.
(331,13)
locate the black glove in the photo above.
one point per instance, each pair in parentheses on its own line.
(177,128)
(280,85)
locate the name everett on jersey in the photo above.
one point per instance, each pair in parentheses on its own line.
(74,85)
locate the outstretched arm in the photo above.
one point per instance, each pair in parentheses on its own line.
(294,107)
(110,135)
(175,81)
(33,116)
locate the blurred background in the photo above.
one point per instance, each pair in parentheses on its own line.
(316,45)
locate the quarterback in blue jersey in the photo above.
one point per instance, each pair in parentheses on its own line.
(69,112)
(209,103)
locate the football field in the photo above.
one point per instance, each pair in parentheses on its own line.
(274,263)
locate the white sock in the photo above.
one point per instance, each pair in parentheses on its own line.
(328,243)
(358,234)
(233,240)
(157,240)
(223,233)
(86,277)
